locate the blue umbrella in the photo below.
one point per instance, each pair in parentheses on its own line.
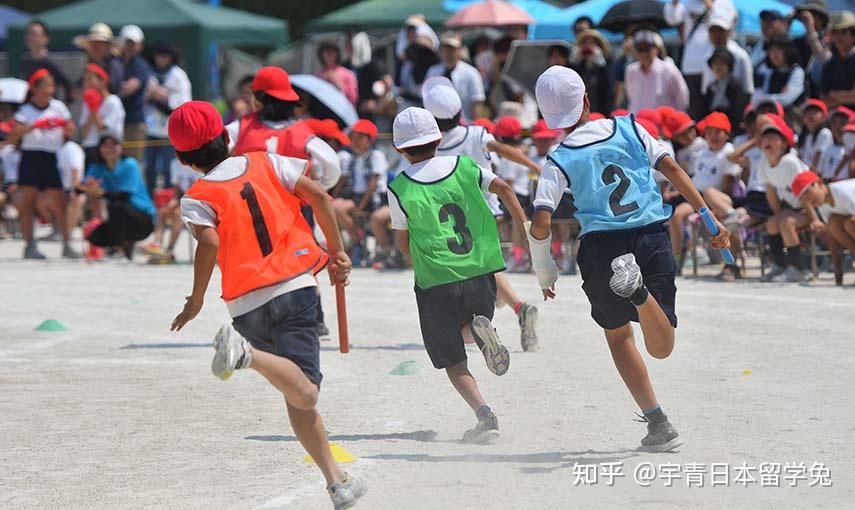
(329,102)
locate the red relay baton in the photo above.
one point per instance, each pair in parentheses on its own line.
(341,309)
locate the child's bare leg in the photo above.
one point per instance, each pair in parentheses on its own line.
(26,205)
(630,366)
(657,329)
(379,220)
(718,201)
(837,226)
(506,292)
(462,380)
(345,220)
(681,213)
(286,377)
(309,428)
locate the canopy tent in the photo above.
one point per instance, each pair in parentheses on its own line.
(190,26)
(9,16)
(561,25)
(380,14)
(833,5)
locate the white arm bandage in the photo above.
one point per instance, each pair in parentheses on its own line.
(541,261)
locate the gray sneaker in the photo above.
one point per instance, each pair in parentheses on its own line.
(345,493)
(790,275)
(69,253)
(495,354)
(528,323)
(485,432)
(31,252)
(661,437)
(232,352)
(627,275)
(323,331)
(774,271)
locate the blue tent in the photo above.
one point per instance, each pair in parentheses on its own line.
(8,17)
(833,5)
(561,26)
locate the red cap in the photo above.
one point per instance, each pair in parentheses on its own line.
(666,111)
(842,110)
(717,120)
(649,126)
(508,127)
(779,108)
(677,123)
(36,76)
(193,124)
(620,112)
(779,125)
(803,181)
(816,103)
(596,116)
(328,128)
(485,123)
(366,127)
(651,115)
(541,131)
(96,69)
(275,82)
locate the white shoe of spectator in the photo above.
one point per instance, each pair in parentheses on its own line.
(791,275)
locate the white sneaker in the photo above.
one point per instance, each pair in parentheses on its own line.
(790,275)
(495,354)
(774,271)
(627,275)
(232,351)
(345,493)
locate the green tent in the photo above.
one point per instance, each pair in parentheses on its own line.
(380,14)
(190,26)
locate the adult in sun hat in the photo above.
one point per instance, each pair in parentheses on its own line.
(652,82)
(813,52)
(721,37)
(466,79)
(135,78)
(773,23)
(591,58)
(99,45)
(625,255)
(476,142)
(838,75)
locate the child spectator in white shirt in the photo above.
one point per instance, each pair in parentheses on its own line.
(815,135)
(833,161)
(101,112)
(71,162)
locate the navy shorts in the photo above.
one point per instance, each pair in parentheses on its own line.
(755,203)
(525,203)
(287,327)
(444,309)
(38,169)
(651,246)
(566,209)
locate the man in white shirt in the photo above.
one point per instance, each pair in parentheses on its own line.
(720,30)
(466,79)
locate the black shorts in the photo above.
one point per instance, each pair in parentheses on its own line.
(525,203)
(755,203)
(566,208)
(287,327)
(674,202)
(444,309)
(651,246)
(38,169)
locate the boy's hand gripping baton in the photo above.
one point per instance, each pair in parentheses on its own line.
(711,226)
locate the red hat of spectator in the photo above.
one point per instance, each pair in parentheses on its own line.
(98,70)
(816,103)
(651,115)
(665,111)
(484,123)
(620,112)
(541,131)
(508,127)
(842,110)
(803,181)
(677,123)
(716,120)
(596,116)
(193,124)
(779,125)
(649,126)
(327,128)
(779,108)
(36,76)
(366,127)
(274,81)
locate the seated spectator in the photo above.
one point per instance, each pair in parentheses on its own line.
(747,154)
(720,37)
(466,79)
(101,111)
(838,74)
(779,77)
(778,168)
(833,162)
(652,82)
(836,204)
(590,58)
(130,210)
(725,94)
(362,187)
(169,214)
(168,88)
(687,144)
(333,72)
(815,135)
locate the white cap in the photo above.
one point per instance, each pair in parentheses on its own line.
(414,127)
(131,33)
(721,22)
(645,36)
(560,96)
(441,98)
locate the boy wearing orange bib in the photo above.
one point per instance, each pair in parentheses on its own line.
(245,213)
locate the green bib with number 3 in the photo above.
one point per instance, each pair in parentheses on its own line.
(453,234)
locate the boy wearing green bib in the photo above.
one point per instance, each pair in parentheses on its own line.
(441,219)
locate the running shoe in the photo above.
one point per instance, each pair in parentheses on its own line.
(495,354)
(232,352)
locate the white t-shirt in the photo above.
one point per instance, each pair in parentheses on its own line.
(814,144)
(326,167)
(179,90)
(112,115)
(698,41)
(471,141)
(197,212)
(781,176)
(712,166)
(843,193)
(468,83)
(182,176)
(753,155)
(10,159)
(830,160)
(70,159)
(433,169)
(687,156)
(514,174)
(849,142)
(46,140)
(359,169)
(553,183)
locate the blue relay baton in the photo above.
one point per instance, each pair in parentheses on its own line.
(711,226)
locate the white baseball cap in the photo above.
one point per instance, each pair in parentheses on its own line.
(441,98)
(721,22)
(131,33)
(560,96)
(414,127)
